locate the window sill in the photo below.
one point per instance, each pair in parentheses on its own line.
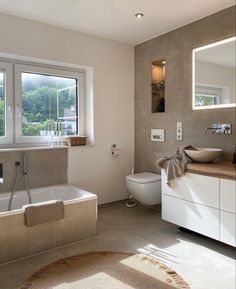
(31,148)
(82,146)
(12,149)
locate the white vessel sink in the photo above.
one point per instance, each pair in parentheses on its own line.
(203,155)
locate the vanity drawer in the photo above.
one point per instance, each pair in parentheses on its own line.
(227,228)
(228,195)
(195,188)
(195,217)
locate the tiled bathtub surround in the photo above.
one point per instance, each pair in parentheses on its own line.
(45,167)
(176,48)
(80,223)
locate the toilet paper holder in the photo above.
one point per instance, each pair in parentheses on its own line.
(114,150)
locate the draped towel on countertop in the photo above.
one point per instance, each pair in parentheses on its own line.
(174,165)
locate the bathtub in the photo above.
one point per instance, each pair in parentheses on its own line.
(18,241)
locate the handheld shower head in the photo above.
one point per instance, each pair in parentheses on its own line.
(24,164)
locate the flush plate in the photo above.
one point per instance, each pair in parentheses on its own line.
(158,135)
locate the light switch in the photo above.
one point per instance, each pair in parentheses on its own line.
(179,131)
(179,124)
(158,135)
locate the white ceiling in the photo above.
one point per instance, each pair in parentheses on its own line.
(223,54)
(114,19)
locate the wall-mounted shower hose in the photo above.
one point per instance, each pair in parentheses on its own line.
(17,164)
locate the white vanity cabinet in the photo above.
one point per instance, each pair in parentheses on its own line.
(228,195)
(228,212)
(202,204)
(227,228)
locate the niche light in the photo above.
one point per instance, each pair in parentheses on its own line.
(139,15)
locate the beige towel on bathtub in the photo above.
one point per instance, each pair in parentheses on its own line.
(174,165)
(44,212)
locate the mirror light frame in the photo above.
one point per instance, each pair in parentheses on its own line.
(230,105)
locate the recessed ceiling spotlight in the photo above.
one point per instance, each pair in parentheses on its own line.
(139,15)
(164,62)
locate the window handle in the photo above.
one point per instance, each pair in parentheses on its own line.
(18,111)
(9,111)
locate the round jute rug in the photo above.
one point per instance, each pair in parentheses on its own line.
(106,270)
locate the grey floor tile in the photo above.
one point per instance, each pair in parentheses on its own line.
(204,263)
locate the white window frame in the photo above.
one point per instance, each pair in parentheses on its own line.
(208,90)
(63,72)
(8,138)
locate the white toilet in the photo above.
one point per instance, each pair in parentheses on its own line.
(145,188)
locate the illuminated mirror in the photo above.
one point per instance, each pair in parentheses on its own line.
(214,75)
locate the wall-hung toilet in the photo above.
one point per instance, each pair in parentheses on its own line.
(145,188)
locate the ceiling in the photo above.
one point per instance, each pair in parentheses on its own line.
(114,19)
(223,54)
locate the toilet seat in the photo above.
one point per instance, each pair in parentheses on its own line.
(144,178)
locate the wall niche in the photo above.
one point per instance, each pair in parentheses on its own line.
(158,85)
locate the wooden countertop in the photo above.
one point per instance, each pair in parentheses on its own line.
(218,170)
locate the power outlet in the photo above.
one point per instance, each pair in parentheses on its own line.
(179,131)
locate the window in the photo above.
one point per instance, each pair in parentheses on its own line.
(47,99)
(6,114)
(205,99)
(2,102)
(206,95)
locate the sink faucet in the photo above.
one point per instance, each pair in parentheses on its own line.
(219,128)
(213,129)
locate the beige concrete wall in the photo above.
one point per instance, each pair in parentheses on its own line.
(92,167)
(45,167)
(176,48)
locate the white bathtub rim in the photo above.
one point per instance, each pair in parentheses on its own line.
(91,196)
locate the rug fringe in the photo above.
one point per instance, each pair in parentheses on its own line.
(175,276)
